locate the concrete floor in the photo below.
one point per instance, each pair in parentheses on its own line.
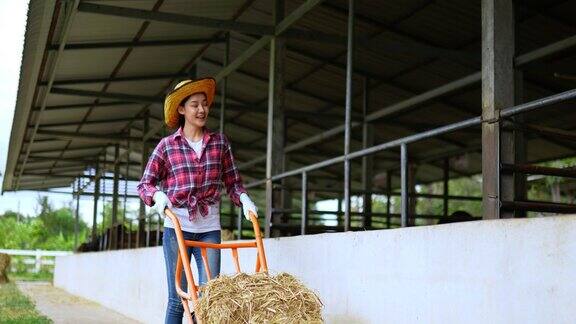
(63,307)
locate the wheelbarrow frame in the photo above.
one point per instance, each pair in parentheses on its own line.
(192,292)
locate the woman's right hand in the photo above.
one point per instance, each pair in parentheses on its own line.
(161,201)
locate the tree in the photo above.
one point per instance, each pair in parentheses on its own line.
(50,230)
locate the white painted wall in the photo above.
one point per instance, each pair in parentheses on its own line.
(501,271)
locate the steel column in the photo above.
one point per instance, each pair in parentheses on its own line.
(96,198)
(115,192)
(231,213)
(280,198)
(130,234)
(367,161)
(77,216)
(348,120)
(497,94)
(158,230)
(104,195)
(339,219)
(404,205)
(388,198)
(445,188)
(269,142)
(304,221)
(239,214)
(142,210)
(412,194)
(275,132)
(125,194)
(148,229)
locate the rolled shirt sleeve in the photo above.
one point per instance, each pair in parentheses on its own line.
(154,173)
(230,174)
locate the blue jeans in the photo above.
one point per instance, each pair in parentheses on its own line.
(174,310)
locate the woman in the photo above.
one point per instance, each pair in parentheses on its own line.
(190,166)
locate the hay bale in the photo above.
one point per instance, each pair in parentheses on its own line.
(258,298)
(4,267)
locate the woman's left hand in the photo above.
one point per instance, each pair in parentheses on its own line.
(248,206)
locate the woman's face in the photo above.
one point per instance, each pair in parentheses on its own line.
(195,110)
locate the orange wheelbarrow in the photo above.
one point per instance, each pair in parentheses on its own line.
(192,292)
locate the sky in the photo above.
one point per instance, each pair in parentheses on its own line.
(12,27)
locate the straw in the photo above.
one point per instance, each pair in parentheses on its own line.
(258,298)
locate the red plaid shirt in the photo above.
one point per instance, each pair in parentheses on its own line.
(190,181)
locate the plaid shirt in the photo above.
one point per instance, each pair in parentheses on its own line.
(190,181)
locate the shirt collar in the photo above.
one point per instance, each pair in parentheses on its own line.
(207,133)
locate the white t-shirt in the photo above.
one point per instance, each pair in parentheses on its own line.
(202,224)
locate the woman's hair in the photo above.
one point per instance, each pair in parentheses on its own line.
(181,119)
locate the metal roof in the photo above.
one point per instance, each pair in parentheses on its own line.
(102,85)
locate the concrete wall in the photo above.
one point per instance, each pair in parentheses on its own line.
(501,271)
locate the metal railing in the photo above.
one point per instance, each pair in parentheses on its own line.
(403,144)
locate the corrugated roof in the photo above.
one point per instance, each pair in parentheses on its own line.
(414,46)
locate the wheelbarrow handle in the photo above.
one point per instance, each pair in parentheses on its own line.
(259,244)
(253,219)
(257,236)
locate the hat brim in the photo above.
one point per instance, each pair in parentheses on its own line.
(175,97)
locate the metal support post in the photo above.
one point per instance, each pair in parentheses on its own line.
(367,161)
(239,221)
(497,94)
(114,234)
(77,215)
(304,221)
(404,185)
(276,127)
(148,229)
(446,188)
(158,230)
(96,198)
(126,172)
(388,198)
(142,210)
(347,131)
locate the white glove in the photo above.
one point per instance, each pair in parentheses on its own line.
(161,201)
(248,206)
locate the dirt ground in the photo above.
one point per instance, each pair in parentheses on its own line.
(63,307)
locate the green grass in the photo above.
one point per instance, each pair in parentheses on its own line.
(29,276)
(17,308)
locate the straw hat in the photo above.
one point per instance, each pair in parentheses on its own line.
(182,90)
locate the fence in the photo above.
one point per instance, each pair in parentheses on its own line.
(37,258)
